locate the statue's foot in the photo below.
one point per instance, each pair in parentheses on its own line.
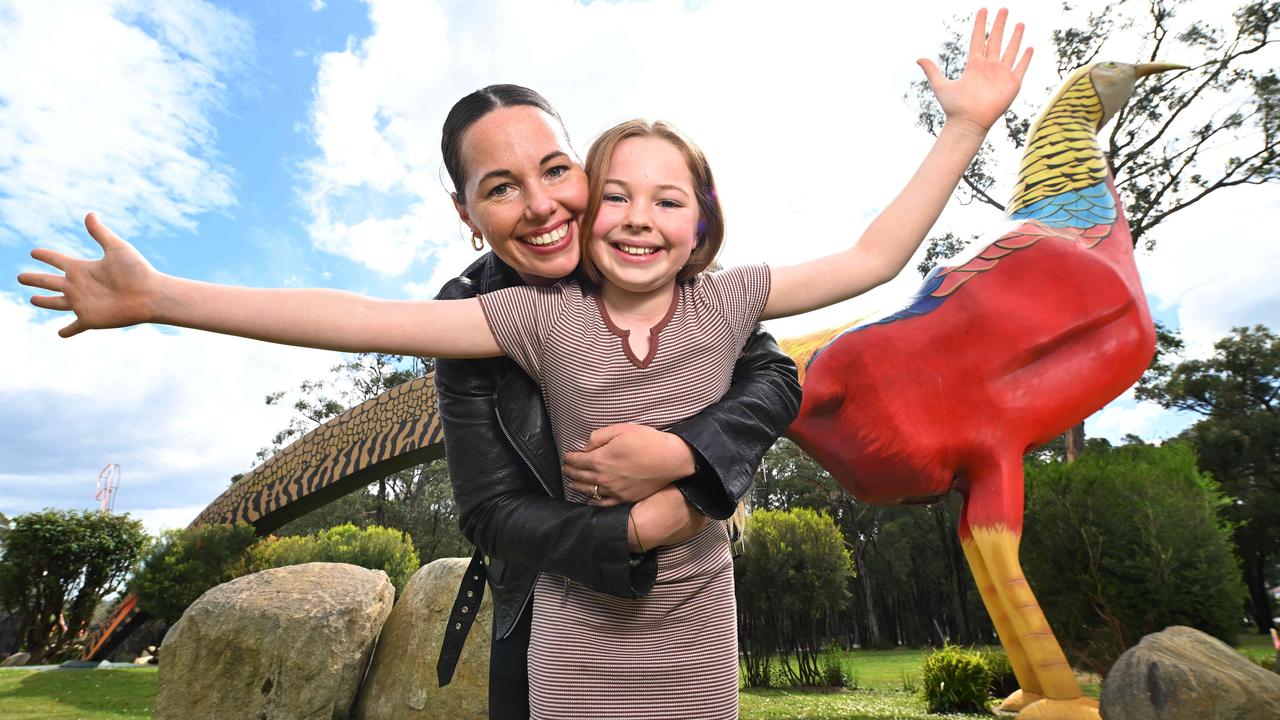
(1018,700)
(1081,708)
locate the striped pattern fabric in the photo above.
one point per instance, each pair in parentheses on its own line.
(672,653)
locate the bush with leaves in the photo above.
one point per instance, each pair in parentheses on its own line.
(376,548)
(57,566)
(188,561)
(1125,542)
(793,576)
(956,680)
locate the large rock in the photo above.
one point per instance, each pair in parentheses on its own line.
(16,660)
(401,683)
(1181,673)
(290,643)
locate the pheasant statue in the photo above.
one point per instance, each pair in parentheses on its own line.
(995,356)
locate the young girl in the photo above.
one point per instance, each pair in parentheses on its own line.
(646,338)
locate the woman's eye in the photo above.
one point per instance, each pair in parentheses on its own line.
(499,191)
(558,171)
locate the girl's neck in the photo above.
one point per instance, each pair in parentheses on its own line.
(637,308)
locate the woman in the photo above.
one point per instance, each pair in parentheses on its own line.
(521,190)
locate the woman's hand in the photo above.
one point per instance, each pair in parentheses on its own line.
(627,463)
(990,81)
(116,291)
(664,518)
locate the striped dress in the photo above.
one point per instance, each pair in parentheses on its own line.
(674,652)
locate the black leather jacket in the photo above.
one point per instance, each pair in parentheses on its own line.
(505,466)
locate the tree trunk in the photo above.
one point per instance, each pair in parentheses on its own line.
(1255,563)
(1075,442)
(864,578)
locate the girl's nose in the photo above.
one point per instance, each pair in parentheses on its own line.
(637,217)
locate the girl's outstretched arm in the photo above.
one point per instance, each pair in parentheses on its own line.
(123,289)
(972,103)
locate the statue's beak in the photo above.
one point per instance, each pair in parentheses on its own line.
(1144,69)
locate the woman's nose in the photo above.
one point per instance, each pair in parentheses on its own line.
(539,203)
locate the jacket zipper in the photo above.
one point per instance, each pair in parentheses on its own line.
(520,451)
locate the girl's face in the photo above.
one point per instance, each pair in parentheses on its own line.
(524,191)
(648,221)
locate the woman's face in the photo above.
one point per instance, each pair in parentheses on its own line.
(524,191)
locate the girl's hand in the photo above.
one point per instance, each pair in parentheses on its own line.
(116,291)
(990,80)
(627,463)
(664,518)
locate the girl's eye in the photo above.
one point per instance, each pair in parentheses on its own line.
(669,204)
(613,198)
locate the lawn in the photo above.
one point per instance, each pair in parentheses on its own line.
(880,675)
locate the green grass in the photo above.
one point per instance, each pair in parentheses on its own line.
(77,694)
(845,705)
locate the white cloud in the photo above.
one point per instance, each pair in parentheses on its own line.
(180,412)
(105,105)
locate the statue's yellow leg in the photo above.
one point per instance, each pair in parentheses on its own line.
(1030,686)
(1063,700)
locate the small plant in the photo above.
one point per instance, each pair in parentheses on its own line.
(1266,663)
(910,682)
(834,673)
(956,680)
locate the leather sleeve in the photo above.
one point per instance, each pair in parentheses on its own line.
(503,507)
(730,438)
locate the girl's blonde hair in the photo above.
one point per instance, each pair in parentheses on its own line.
(711,218)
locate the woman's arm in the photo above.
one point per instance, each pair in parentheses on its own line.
(123,289)
(972,104)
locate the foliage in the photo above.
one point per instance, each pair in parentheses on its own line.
(793,575)
(1183,135)
(1126,542)
(1237,391)
(58,565)
(912,585)
(955,680)
(1003,681)
(188,561)
(834,672)
(376,548)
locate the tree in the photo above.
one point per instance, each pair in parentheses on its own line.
(58,565)
(1127,541)
(792,577)
(417,500)
(1237,391)
(185,563)
(1211,127)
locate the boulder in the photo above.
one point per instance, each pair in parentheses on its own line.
(17,659)
(1181,673)
(290,643)
(401,683)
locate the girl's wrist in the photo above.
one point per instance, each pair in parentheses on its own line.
(967,126)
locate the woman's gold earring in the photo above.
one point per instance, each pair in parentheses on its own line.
(477,241)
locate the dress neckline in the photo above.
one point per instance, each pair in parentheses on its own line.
(624,335)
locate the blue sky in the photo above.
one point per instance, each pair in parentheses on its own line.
(295,142)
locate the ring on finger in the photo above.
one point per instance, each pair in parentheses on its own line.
(595,492)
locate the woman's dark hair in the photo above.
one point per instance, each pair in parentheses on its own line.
(471,108)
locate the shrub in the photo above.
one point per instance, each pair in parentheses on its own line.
(955,680)
(188,561)
(1003,681)
(834,673)
(374,547)
(1127,541)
